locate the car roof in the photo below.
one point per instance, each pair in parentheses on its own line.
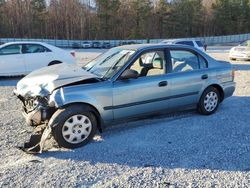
(24,42)
(179,40)
(138,47)
(31,42)
(153,46)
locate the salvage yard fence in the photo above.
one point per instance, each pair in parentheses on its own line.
(212,40)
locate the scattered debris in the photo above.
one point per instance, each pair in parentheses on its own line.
(37,141)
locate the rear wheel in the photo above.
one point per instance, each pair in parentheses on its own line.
(54,63)
(73,126)
(209,101)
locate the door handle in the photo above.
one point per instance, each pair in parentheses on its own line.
(163,83)
(204,77)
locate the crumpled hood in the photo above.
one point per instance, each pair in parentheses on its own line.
(43,81)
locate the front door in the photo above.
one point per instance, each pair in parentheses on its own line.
(12,60)
(145,94)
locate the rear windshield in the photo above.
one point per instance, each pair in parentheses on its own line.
(189,43)
(245,43)
(199,43)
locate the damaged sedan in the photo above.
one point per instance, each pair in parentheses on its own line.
(130,81)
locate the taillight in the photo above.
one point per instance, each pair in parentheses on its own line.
(233,74)
(73,53)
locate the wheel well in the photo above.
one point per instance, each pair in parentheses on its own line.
(93,110)
(219,88)
(54,62)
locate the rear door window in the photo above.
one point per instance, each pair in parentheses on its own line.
(183,60)
(11,49)
(34,48)
(203,62)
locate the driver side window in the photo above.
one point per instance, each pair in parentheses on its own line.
(150,64)
(11,49)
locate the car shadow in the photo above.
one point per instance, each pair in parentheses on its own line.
(176,140)
(241,66)
(9,81)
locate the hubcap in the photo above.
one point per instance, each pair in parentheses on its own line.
(211,101)
(76,129)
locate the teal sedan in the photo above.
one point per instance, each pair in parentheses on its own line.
(125,82)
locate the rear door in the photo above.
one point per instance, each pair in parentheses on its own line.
(36,56)
(188,76)
(12,60)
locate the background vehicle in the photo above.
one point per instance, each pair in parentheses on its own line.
(123,43)
(240,52)
(106,45)
(86,44)
(20,58)
(76,45)
(124,82)
(97,44)
(195,43)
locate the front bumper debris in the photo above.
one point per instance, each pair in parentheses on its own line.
(37,141)
(37,116)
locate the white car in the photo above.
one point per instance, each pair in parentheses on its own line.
(21,58)
(87,44)
(195,43)
(240,52)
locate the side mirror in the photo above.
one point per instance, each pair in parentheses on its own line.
(128,74)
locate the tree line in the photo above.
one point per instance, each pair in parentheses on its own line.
(122,19)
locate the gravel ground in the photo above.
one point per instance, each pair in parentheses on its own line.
(181,149)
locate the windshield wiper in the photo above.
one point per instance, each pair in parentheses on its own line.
(113,67)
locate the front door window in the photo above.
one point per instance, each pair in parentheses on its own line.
(11,50)
(150,64)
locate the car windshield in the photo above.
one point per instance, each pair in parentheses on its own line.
(109,63)
(246,43)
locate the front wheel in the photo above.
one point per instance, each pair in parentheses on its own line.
(209,101)
(73,126)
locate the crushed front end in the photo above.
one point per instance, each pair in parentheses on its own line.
(37,112)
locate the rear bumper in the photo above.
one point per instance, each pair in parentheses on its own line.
(228,88)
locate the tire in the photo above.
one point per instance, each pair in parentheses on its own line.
(209,101)
(54,63)
(73,126)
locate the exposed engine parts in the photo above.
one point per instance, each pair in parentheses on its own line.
(36,111)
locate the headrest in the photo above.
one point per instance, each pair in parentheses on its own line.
(158,63)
